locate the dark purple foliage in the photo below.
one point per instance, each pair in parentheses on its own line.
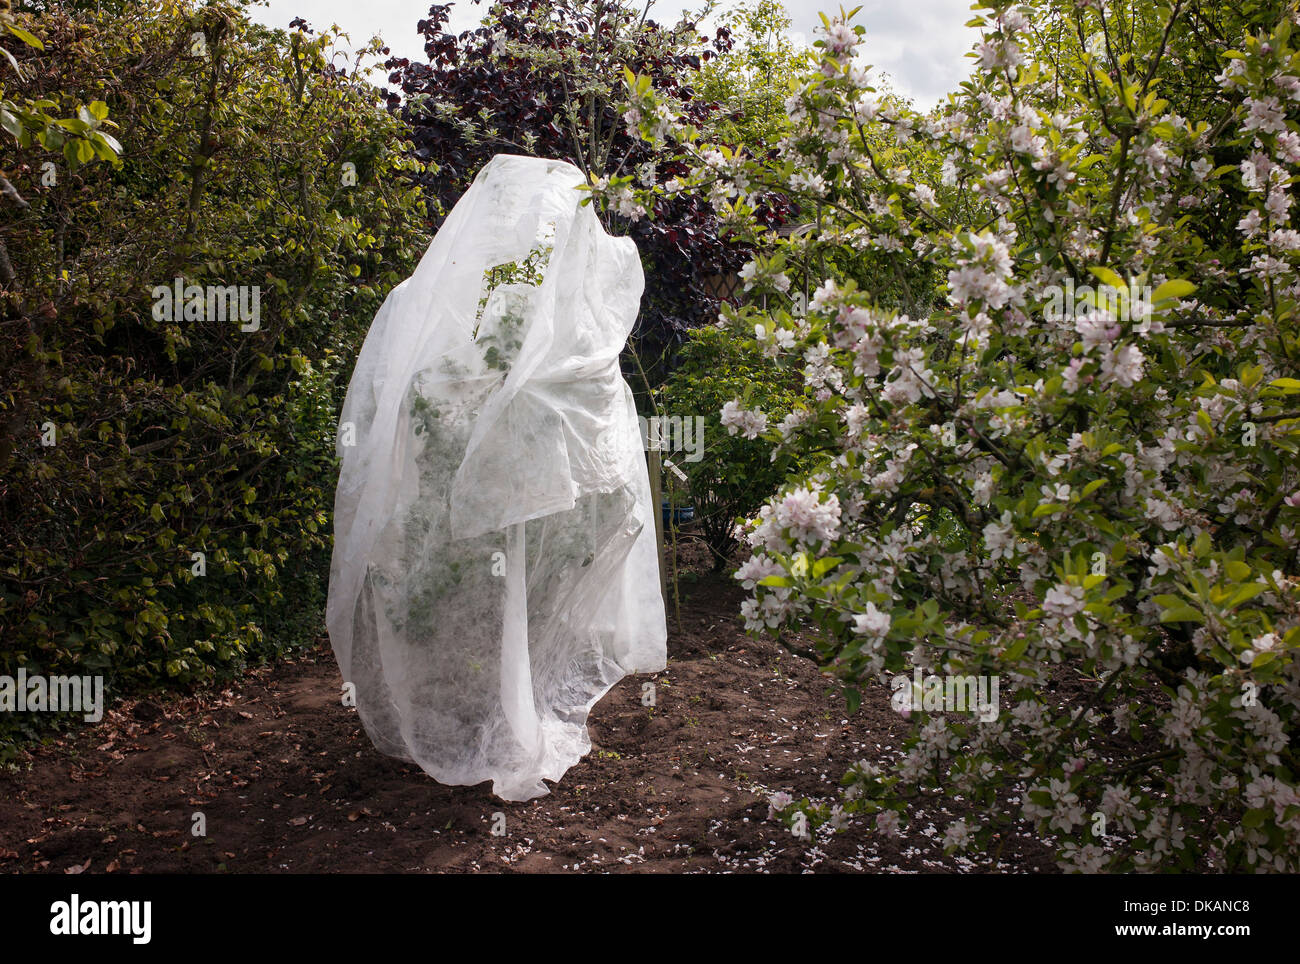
(682,248)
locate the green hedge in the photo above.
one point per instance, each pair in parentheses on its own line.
(172,437)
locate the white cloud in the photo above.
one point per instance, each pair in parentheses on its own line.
(920,45)
(394,20)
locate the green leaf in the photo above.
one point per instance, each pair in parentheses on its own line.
(1237,570)
(1172,289)
(1245,593)
(11,123)
(1109,277)
(1181,614)
(24,36)
(1255,817)
(852,699)
(825,565)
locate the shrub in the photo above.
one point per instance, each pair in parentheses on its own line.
(736,473)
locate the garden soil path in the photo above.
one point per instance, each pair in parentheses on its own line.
(287,781)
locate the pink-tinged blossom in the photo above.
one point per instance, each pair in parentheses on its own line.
(809,515)
(1123,367)
(1278,204)
(957,835)
(855,418)
(981,275)
(1255,171)
(907,385)
(1266,643)
(1233,70)
(1096,329)
(1285,238)
(1288,85)
(812,183)
(1265,115)
(756,567)
(888,823)
(824,296)
(1056,492)
(996,53)
(749,423)
(1162,513)
(1013,21)
(841,38)
(1287,146)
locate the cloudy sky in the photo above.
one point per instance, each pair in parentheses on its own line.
(920,43)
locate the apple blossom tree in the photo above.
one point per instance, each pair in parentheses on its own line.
(1065,456)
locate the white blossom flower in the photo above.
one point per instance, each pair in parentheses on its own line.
(748,423)
(1265,115)
(808,515)
(871,623)
(999,538)
(778,802)
(1063,601)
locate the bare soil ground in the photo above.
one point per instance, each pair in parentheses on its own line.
(287,781)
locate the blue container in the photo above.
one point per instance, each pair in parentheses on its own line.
(683,513)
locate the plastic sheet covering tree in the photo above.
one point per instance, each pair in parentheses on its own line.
(495,569)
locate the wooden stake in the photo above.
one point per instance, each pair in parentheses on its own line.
(656,496)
